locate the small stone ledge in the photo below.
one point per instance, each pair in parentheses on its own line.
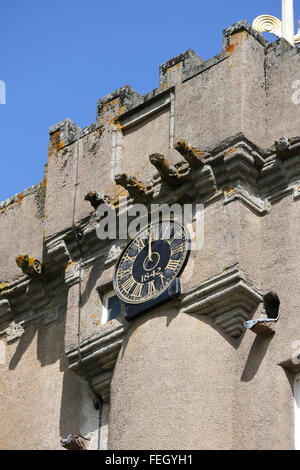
(99,354)
(227,299)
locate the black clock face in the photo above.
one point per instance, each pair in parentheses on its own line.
(150,262)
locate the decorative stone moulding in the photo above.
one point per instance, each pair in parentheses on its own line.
(99,354)
(227,299)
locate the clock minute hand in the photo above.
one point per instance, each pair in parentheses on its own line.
(150,240)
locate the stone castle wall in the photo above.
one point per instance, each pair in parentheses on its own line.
(186,375)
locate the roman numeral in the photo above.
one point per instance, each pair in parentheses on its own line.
(124,273)
(128,284)
(126,257)
(139,243)
(177,250)
(151,287)
(177,235)
(173,264)
(138,290)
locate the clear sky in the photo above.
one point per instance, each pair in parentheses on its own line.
(59,57)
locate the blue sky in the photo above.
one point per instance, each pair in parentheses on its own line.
(59,57)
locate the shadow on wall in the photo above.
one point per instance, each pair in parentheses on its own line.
(256,354)
(77,413)
(50,340)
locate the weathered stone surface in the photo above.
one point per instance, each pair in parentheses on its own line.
(186,374)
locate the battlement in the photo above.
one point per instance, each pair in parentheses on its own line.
(205,103)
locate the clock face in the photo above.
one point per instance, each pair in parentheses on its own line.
(150,263)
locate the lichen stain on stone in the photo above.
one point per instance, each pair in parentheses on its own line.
(236,39)
(230,48)
(54,143)
(115,122)
(232,150)
(19,198)
(111,103)
(169,69)
(228,191)
(72,263)
(3,285)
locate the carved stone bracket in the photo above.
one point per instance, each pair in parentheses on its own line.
(228,299)
(98,356)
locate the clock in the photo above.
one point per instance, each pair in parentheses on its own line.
(147,272)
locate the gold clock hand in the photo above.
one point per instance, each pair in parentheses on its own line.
(150,240)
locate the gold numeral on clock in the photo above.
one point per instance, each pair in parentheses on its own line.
(151,288)
(173,264)
(128,284)
(139,243)
(127,257)
(138,290)
(177,250)
(124,273)
(176,236)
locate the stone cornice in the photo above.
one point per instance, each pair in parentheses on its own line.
(98,354)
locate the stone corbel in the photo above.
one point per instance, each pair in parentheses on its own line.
(58,250)
(227,299)
(96,199)
(136,189)
(175,175)
(99,354)
(193,155)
